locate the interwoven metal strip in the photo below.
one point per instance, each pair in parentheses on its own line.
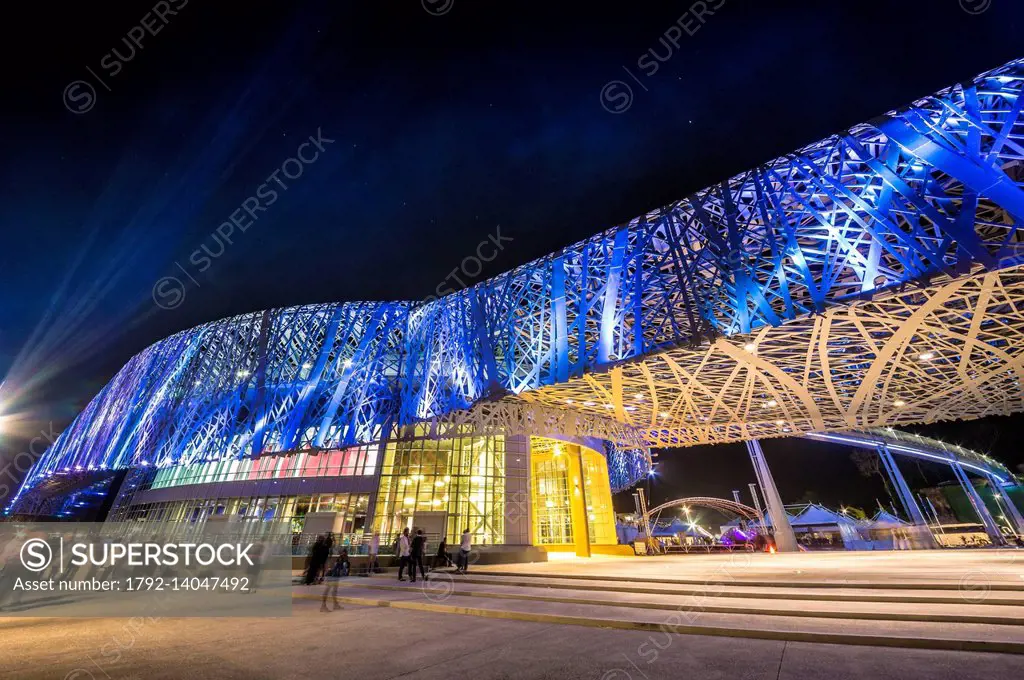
(822,256)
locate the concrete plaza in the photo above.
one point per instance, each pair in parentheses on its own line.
(379,643)
(510,622)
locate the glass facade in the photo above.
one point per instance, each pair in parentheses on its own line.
(358,460)
(566,515)
(459,481)
(552,504)
(289,510)
(506,490)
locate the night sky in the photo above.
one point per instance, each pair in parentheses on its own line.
(440,123)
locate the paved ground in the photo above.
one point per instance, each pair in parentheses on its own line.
(378,642)
(381,643)
(940,566)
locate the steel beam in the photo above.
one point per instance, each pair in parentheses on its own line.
(785,539)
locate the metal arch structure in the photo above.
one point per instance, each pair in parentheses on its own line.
(887,442)
(925,448)
(721,504)
(841,265)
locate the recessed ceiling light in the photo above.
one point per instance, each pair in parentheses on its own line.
(926,356)
(750,347)
(898,403)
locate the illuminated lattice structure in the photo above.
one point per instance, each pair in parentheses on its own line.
(867,279)
(950,351)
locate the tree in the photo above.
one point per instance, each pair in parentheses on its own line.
(868,463)
(854,512)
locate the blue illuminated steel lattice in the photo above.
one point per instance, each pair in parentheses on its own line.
(931,189)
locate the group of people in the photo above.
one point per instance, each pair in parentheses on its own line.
(411,550)
(318,557)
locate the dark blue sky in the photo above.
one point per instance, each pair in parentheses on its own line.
(444,127)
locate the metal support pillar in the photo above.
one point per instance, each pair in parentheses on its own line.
(906,497)
(900,484)
(645,519)
(991,528)
(1013,516)
(757,506)
(785,539)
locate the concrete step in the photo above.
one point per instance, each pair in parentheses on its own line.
(883,611)
(775,592)
(968,636)
(738,579)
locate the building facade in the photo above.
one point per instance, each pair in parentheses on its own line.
(506,490)
(799,296)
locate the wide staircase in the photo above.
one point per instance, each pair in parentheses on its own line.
(961,610)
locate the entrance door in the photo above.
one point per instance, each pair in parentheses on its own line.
(434,525)
(559,500)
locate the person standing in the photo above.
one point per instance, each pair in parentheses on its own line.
(372,566)
(441,558)
(464,549)
(403,553)
(419,545)
(328,551)
(330,578)
(313,563)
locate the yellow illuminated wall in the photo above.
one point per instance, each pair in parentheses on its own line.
(600,514)
(567,515)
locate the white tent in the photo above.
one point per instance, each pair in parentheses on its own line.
(886,520)
(820,516)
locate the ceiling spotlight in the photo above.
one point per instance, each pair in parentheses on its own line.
(348,363)
(780,422)
(588,403)
(663,414)
(750,347)
(307,365)
(639,396)
(898,403)
(769,403)
(242,374)
(926,356)
(569,401)
(609,405)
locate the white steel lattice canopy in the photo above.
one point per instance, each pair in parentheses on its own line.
(953,350)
